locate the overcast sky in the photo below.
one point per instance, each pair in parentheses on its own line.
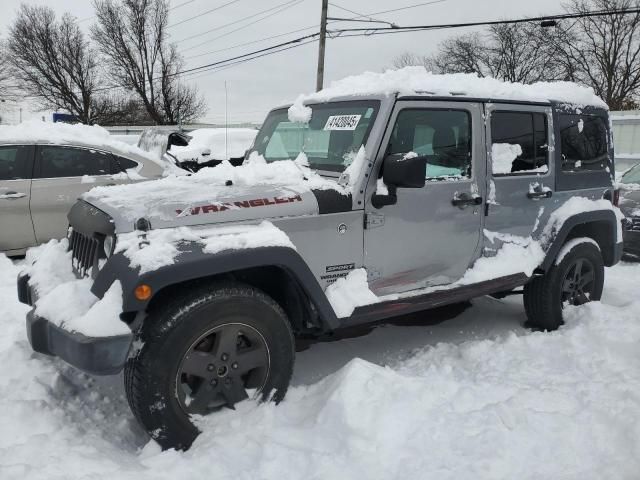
(255,87)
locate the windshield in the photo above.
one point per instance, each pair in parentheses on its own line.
(632,176)
(330,140)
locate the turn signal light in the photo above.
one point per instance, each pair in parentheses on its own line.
(142,292)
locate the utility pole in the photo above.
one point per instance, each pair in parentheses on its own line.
(323,39)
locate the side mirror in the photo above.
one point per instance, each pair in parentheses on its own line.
(404,172)
(400,171)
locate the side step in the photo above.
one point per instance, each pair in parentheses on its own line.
(402,306)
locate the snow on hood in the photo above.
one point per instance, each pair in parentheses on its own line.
(218,194)
(417,80)
(222,143)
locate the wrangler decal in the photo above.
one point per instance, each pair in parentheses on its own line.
(256,202)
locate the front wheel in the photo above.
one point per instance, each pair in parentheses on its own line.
(576,277)
(206,350)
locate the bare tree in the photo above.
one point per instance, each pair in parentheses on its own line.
(52,61)
(408,59)
(131,35)
(8,88)
(460,54)
(606,51)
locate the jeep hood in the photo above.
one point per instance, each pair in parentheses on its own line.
(217,205)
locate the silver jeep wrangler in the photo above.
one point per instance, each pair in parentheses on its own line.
(447,198)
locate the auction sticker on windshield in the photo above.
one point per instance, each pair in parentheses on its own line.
(342,122)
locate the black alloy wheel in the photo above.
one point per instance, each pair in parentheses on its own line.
(579,282)
(219,368)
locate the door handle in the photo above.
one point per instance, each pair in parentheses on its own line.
(11,195)
(539,194)
(464,200)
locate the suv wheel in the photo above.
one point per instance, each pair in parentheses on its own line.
(208,349)
(578,278)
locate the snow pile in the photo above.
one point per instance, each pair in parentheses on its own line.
(503,155)
(474,397)
(210,185)
(67,134)
(417,80)
(67,301)
(299,113)
(222,144)
(159,248)
(349,292)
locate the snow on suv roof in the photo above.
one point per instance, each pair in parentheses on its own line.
(418,81)
(90,136)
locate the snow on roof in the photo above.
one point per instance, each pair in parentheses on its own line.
(32,131)
(223,144)
(418,81)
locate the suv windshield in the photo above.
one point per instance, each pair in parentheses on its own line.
(330,140)
(632,176)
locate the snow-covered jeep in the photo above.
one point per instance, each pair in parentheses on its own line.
(382,195)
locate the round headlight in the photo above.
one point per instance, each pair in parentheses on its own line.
(109,243)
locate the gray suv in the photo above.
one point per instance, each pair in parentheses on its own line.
(402,203)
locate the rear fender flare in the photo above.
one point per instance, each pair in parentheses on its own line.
(610,244)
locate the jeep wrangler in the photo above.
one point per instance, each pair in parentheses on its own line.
(398,203)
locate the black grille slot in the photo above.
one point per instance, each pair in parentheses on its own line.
(84,252)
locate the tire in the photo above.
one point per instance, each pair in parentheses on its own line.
(198,355)
(545,295)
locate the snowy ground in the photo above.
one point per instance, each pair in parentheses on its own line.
(475,397)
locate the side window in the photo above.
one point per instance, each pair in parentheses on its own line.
(443,136)
(123,164)
(14,164)
(583,143)
(519,143)
(58,162)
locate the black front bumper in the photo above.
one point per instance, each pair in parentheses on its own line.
(94,355)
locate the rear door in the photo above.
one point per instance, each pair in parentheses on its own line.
(16,167)
(62,174)
(520,182)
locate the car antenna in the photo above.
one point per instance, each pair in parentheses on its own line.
(226,122)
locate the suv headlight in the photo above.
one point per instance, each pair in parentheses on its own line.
(108,245)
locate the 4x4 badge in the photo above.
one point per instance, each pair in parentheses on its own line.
(342,228)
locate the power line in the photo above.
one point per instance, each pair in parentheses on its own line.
(250,43)
(417,28)
(283,8)
(378,30)
(203,13)
(215,29)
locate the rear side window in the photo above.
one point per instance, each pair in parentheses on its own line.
(14,163)
(583,143)
(56,162)
(519,143)
(123,164)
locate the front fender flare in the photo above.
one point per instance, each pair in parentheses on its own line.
(192,263)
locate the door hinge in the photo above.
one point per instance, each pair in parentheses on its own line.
(373,220)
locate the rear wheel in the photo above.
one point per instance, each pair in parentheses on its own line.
(207,350)
(576,279)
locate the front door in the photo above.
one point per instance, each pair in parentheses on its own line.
(431,235)
(62,174)
(16,229)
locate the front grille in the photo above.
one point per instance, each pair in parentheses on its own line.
(633,224)
(85,251)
